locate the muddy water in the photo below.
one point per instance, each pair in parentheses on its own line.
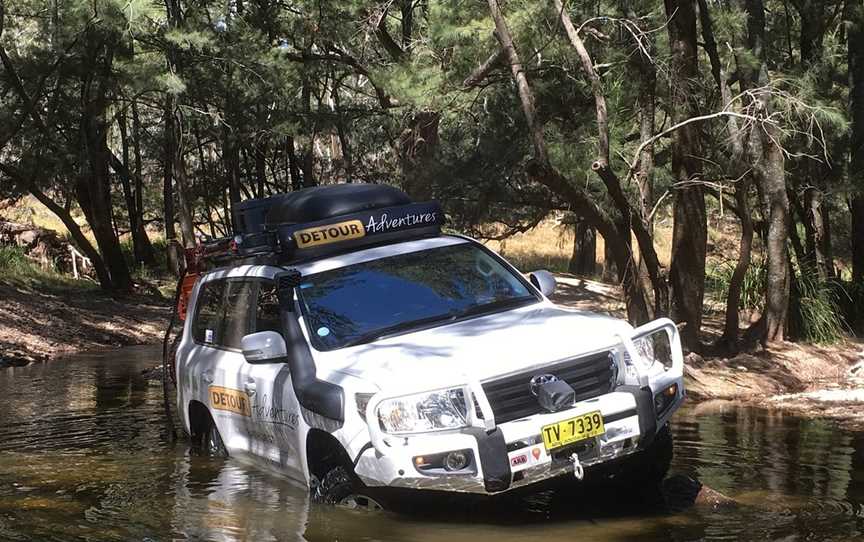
(84,456)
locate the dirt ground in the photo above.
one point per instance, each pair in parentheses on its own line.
(813,380)
(42,324)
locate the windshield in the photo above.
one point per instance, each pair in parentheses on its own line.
(366,301)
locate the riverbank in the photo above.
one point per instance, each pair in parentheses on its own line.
(42,321)
(825,381)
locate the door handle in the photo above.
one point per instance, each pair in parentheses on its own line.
(207,376)
(250,387)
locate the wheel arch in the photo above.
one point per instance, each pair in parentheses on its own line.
(324,452)
(199,419)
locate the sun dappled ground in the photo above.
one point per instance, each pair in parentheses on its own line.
(40,323)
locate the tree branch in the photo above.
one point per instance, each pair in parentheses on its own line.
(483,71)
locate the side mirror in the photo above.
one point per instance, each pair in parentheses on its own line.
(264,347)
(544,281)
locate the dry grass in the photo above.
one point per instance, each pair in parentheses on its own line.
(550,245)
(28,210)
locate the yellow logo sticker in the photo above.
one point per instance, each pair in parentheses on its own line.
(235,401)
(331,233)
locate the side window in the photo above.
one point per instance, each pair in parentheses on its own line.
(267,308)
(238,302)
(208,313)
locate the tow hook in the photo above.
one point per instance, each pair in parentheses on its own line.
(578,469)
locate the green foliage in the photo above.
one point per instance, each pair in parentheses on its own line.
(719,277)
(14,262)
(817,303)
(18,270)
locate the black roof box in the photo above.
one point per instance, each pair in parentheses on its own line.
(323,202)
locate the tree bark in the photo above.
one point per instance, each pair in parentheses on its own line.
(690,229)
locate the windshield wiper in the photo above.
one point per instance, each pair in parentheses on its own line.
(401,326)
(448,317)
(495,306)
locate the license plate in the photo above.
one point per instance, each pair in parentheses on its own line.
(566,432)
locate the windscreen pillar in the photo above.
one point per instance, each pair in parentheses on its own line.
(320,397)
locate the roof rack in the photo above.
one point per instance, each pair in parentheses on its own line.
(314,222)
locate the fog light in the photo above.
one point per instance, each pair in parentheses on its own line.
(664,399)
(455,461)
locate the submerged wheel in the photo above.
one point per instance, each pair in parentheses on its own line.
(211,442)
(341,488)
(648,467)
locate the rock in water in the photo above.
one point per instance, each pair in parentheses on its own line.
(683,492)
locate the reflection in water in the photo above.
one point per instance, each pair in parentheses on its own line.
(84,456)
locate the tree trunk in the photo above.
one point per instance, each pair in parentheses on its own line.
(293,166)
(541,170)
(856,167)
(628,219)
(690,230)
(141,247)
(418,146)
(644,65)
(815,225)
(93,185)
(771,176)
(148,255)
(729,339)
(736,282)
(584,259)
(610,270)
(173,256)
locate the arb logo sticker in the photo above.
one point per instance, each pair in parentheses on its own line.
(235,401)
(331,233)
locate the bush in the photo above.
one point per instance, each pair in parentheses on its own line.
(719,277)
(14,262)
(816,304)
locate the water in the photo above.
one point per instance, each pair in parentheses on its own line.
(84,456)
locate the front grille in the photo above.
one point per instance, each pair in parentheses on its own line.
(510,397)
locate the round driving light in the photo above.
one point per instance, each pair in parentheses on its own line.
(455,461)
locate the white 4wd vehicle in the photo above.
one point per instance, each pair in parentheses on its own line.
(349,344)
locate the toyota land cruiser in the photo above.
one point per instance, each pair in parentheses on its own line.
(343,340)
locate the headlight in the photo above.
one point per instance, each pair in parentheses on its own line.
(650,349)
(645,351)
(423,412)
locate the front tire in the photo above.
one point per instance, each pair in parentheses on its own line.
(211,441)
(649,467)
(339,487)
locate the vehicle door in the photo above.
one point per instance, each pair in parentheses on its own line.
(221,316)
(278,431)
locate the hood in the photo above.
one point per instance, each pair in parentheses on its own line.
(482,348)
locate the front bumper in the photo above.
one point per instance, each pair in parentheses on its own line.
(512,455)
